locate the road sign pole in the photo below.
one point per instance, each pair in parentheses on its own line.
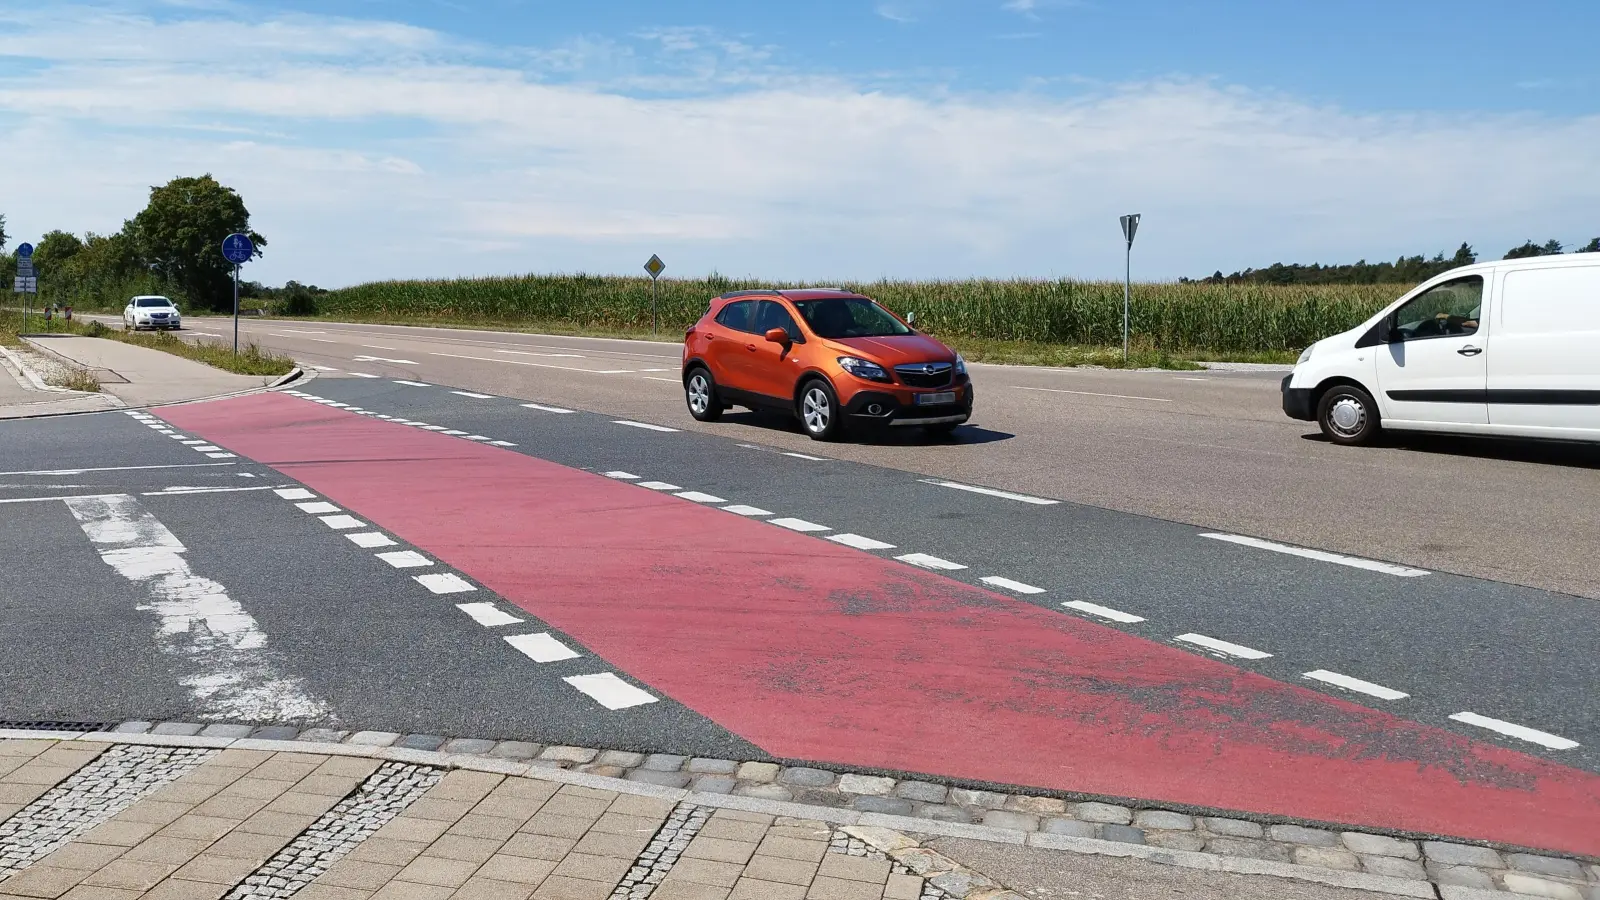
(235,309)
(1127,294)
(654,266)
(652,306)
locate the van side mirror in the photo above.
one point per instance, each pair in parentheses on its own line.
(778,336)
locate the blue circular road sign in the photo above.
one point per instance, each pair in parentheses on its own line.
(237,248)
(24,250)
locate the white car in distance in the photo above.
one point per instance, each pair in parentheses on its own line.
(152,312)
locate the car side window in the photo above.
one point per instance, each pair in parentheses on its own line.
(736,315)
(773,315)
(1444,310)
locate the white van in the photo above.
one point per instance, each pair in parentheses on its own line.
(1509,348)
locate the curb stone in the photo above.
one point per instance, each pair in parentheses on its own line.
(1399,871)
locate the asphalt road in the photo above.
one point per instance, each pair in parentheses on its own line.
(1211,449)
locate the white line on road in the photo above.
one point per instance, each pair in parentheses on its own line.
(1224,647)
(800,525)
(488,615)
(622,476)
(405,559)
(370,539)
(472,395)
(610,691)
(339,523)
(378,347)
(221,456)
(455,432)
(1093,394)
(502,443)
(318,507)
(435,428)
(116,468)
(1104,612)
(293,331)
(541,648)
(1352,561)
(1008,584)
(478,437)
(698,497)
(363,375)
(208,448)
(1521,733)
(548,409)
(859,542)
(518,362)
(176,491)
(444,583)
(991,492)
(659,378)
(660,486)
(930,562)
(546,355)
(806,456)
(645,425)
(413,384)
(740,509)
(1356,684)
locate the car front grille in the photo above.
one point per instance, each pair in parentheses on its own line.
(925,375)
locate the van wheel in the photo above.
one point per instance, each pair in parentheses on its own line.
(819,410)
(701,394)
(1348,415)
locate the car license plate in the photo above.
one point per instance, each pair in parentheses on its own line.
(935,399)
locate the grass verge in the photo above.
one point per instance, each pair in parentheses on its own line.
(251,359)
(78,380)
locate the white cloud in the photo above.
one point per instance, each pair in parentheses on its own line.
(408,158)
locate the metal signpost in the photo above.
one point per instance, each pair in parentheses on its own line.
(655,267)
(237,249)
(1130,227)
(27,281)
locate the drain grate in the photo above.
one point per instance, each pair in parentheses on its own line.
(50,725)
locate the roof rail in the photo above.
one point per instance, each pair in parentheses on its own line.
(755,293)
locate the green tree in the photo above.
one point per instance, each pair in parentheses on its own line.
(1465,255)
(2,231)
(54,251)
(179,236)
(1592,247)
(1528,249)
(1552,247)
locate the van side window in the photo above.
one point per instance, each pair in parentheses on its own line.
(1444,310)
(737,315)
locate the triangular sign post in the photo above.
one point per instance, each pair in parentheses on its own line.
(1130,227)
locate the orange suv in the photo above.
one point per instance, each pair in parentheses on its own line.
(825,356)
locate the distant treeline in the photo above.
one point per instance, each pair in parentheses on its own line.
(1405,270)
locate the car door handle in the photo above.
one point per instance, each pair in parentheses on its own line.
(1470,351)
(750,347)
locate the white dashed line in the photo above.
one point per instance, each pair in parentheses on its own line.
(370,539)
(622,476)
(405,559)
(541,648)
(456,432)
(610,691)
(487,614)
(477,437)
(342,522)
(413,384)
(444,583)
(1008,584)
(192,443)
(930,562)
(859,542)
(545,355)
(645,425)
(221,456)
(364,375)
(518,362)
(548,409)
(1223,647)
(1104,612)
(208,448)
(1520,732)
(295,494)
(659,378)
(660,486)
(800,525)
(502,443)
(740,509)
(318,507)
(1322,555)
(435,428)
(1357,685)
(472,395)
(1093,394)
(698,497)
(806,456)
(991,492)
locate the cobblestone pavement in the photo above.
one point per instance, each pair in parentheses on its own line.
(257,818)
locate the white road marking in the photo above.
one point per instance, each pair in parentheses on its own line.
(740,509)
(444,583)
(1357,685)
(116,468)
(174,491)
(477,437)
(1180,378)
(1093,394)
(318,507)
(859,542)
(698,497)
(370,539)
(434,428)
(610,691)
(363,375)
(208,448)
(294,331)
(548,409)
(518,362)
(339,523)
(1520,732)
(379,347)
(659,486)
(413,384)
(659,378)
(806,456)
(502,443)
(549,355)
(455,432)
(622,476)
(193,443)
(800,525)
(991,492)
(1224,647)
(645,425)
(541,648)
(658,370)
(219,644)
(488,615)
(398,362)
(221,456)
(1104,612)
(930,562)
(1352,561)
(405,559)
(472,395)
(1008,584)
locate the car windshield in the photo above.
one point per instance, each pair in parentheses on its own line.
(849,317)
(153,301)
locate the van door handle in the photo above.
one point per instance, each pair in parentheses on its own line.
(1470,351)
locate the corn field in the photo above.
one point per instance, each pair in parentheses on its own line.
(1183,316)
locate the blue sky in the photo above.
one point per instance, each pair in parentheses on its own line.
(828,140)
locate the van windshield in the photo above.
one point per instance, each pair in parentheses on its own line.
(849,317)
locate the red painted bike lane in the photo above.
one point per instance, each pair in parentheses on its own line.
(815,651)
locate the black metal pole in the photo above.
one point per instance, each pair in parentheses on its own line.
(235,309)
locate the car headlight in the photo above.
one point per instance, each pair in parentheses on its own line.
(1306,354)
(961,365)
(862,368)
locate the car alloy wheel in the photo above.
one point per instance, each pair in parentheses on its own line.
(816,409)
(699,393)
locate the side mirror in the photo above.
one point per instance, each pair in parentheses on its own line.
(1386,332)
(911,318)
(778,336)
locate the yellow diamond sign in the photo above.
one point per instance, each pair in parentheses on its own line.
(655,266)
